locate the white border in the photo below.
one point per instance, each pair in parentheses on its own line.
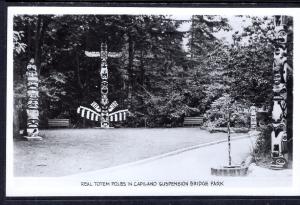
(23,186)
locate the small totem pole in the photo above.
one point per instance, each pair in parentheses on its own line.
(253,120)
(32,101)
(104,113)
(279,112)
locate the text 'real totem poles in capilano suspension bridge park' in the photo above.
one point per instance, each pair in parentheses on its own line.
(104,112)
(32,108)
(279,112)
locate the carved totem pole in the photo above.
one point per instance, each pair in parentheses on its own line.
(279,112)
(104,112)
(32,100)
(253,120)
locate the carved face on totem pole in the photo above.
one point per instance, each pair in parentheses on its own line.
(277,114)
(33,93)
(279,135)
(33,104)
(104,71)
(281,34)
(104,100)
(280,69)
(104,88)
(31,67)
(277,78)
(32,123)
(280,92)
(280,54)
(105,118)
(280,103)
(32,83)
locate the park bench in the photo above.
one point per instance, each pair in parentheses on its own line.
(191,121)
(58,123)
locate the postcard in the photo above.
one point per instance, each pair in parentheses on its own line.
(152,101)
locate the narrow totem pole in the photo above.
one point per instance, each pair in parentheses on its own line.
(253,121)
(279,112)
(32,101)
(228,138)
(103,113)
(104,87)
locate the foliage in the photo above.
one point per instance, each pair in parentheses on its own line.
(202,39)
(19,46)
(155,78)
(226,109)
(262,147)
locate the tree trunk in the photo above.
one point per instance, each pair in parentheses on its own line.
(45,23)
(77,67)
(37,43)
(130,64)
(41,26)
(142,69)
(192,38)
(16,121)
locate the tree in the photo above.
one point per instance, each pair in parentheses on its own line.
(225,107)
(209,56)
(202,39)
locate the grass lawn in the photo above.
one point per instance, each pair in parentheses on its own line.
(70,151)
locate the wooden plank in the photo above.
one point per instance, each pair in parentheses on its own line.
(193,121)
(58,122)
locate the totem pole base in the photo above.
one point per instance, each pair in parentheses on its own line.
(279,163)
(236,170)
(33,138)
(104,127)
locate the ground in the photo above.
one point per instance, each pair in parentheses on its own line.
(70,162)
(70,151)
(195,165)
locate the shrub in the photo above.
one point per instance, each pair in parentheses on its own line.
(262,147)
(217,115)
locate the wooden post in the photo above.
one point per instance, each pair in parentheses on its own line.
(229,142)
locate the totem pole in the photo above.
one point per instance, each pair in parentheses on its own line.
(253,120)
(279,112)
(32,101)
(103,113)
(104,87)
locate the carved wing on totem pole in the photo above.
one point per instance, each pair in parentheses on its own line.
(88,113)
(119,115)
(95,115)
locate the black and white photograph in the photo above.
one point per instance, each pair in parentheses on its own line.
(150,101)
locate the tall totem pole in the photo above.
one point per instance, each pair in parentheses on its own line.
(279,112)
(104,112)
(32,101)
(104,87)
